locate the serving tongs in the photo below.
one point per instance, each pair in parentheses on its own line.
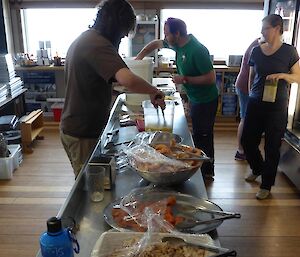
(191,209)
(167,139)
(162,110)
(214,251)
(190,221)
(163,114)
(217,251)
(193,157)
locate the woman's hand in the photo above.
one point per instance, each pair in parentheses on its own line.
(276,76)
(292,76)
(157,99)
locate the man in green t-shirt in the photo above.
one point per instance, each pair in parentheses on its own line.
(197,75)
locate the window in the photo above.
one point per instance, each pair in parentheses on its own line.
(223,32)
(59,26)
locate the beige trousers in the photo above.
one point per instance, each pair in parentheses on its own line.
(78,150)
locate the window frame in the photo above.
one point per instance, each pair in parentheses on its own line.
(15,28)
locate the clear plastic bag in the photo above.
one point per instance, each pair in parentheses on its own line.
(149,214)
(154,215)
(145,158)
(129,244)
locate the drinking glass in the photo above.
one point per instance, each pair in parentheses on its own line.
(95,178)
(157,119)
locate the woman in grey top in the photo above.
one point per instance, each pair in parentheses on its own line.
(274,65)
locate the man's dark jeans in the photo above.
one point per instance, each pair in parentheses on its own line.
(203,119)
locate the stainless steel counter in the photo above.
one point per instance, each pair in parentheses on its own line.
(290,150)
(290,156)
(89,215)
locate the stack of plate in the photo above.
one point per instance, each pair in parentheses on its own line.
(7,69)
(15,86)
(10,85)
(3,92)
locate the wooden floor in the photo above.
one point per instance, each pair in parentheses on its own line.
(269,228)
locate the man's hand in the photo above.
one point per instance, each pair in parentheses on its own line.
(178,79)
(158,99)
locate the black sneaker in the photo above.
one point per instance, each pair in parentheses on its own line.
(239,156)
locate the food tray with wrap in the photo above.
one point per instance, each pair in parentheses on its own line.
(125,244)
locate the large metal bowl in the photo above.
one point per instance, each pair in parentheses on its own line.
(160,173)
(168,178)
(155,137)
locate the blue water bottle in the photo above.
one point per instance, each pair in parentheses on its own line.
(57,241)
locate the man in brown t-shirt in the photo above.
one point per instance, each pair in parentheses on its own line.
(92,62)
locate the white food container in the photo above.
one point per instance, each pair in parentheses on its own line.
(136,99)
(110,241)
(11,163)
(142,68)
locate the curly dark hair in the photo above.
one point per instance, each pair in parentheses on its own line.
(115,19)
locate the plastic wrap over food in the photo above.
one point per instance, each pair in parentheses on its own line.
(144,137)
(148,213)
(157,137)
(155,217)
(131,244)
(145,158)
